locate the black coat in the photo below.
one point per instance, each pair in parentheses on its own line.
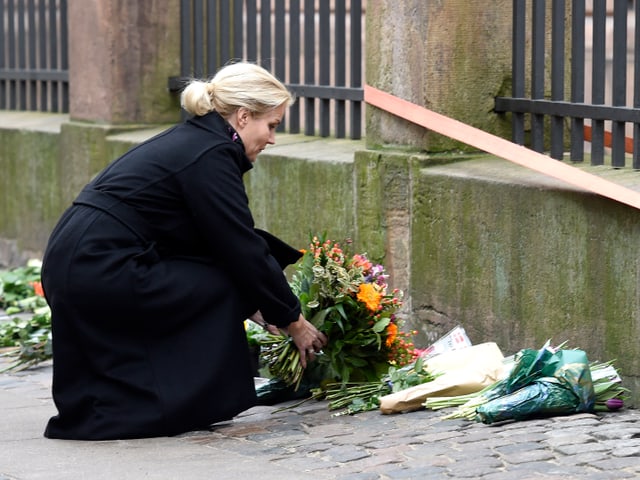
(150,275)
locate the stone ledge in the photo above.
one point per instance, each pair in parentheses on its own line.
(35,121)
(496,170)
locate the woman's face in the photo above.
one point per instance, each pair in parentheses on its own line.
(257,130)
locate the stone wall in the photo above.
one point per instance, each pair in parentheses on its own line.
(511,255)
(518,258)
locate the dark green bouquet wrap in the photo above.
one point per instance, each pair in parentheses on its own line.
(542,383)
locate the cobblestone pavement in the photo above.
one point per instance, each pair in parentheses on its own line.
(307,441)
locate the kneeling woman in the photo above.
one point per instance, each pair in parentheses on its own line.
(152,271)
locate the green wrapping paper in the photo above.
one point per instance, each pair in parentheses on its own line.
(541,398)
(543,383)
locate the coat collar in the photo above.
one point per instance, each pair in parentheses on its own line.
(214,123)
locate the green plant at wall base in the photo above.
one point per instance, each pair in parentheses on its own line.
(25,332)
(20,288)
(31,341)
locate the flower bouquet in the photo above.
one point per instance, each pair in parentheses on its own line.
(457,372)
(347,298)
(549,381)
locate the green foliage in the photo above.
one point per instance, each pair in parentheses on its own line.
(16,288)
(344,296)
(25,333)
(355,397)
(256,335)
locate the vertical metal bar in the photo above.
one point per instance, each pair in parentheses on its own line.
(280,50)
(213,60)
(43,56)
(224,26)
(324,74)
(356,66)
(64,54)
(340,41)
(265,34)
(11,53)
(186,45)
(252,31)
(309,64)
(32,42)
(279,35)
(185,50)
(197,40)
(32,92)
(619,80)
(294,61)
(537,72)
(238,30)
(557,76)
(518,67)
(22,56)
(636,87)
(53,55)
(598,79)
(3,82)
(577,77)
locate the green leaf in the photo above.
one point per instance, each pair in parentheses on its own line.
(381,324)
(357,362)
(318,318)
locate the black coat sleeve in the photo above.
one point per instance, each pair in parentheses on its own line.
(284,253)
(215,195)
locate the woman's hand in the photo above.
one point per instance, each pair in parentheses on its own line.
(307,338)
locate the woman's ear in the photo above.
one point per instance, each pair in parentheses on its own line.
(242,116)
(238,119)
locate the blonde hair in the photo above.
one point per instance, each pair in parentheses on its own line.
(236,85)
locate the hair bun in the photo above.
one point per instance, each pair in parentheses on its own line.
(236,85)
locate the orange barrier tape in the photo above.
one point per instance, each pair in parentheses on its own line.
(628,142)
(499,146)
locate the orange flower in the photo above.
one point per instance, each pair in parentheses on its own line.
(392,332)
(370,296)
(37,288)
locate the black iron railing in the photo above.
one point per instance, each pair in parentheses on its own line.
(316,51)
(33,55)
(601,107)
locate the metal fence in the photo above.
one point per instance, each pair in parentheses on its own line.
(314,47)
(603,104)
(33,55)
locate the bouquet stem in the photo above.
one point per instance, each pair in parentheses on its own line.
(283,359)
